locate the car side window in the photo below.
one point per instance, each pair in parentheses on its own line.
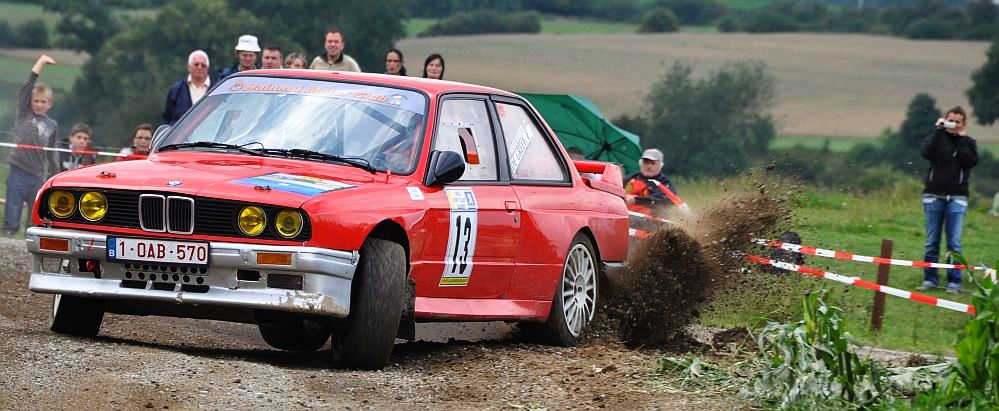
(463,126)
(530,156)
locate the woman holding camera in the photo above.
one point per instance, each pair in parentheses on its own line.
(952,154)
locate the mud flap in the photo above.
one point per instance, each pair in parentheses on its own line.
(407,324)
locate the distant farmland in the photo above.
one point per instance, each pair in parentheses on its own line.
(830,84)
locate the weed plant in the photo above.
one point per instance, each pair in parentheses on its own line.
(810,364)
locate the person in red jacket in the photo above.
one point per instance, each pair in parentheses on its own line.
(644,190)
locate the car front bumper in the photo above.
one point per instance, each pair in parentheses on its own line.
(232,279)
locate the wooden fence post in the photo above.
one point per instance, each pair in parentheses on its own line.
(878,310)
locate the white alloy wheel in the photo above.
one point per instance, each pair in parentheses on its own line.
(579,289)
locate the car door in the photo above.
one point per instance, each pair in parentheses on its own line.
(475,221)
(541,179)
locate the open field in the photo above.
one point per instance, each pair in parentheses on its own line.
(844,144)
(829,84)
(17,13)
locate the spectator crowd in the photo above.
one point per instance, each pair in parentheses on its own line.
(33,128)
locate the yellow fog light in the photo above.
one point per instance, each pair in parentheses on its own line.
(252,220)
(93,206)
(288,223)
(61,203)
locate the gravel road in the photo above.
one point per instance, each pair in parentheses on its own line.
(167,363)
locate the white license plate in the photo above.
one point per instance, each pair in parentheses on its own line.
(158,251)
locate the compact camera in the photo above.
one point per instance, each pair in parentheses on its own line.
(946,124)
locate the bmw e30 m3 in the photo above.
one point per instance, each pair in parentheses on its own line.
(318,204)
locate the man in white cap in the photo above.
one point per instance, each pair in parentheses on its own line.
(247,52)
(644,190)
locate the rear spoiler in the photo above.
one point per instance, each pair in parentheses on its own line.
(603,176)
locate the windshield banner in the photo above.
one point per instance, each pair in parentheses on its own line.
(404,99)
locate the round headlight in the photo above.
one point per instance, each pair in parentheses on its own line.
(93,206)
(252,220)
(61,203)
(288,223)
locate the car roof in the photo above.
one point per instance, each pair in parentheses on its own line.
(432,87)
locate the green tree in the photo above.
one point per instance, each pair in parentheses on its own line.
(715,125)
(369,27)
(86,24)
(984,92)
(902,149)
(659,20)
(982,12)
(32,34)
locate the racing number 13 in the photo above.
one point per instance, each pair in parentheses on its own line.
(463,228)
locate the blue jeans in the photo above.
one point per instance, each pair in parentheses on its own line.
(945,212)
(21,188)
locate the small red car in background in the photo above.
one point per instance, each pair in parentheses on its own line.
(320,204)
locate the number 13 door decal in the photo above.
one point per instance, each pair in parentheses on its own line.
(462,231)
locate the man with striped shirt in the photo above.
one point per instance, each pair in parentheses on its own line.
(30,167)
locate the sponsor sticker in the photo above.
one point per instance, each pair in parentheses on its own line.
(415,193)
(462,233)
(292,183)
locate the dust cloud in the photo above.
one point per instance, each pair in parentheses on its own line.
(673,275)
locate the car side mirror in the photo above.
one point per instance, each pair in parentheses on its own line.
(445,167)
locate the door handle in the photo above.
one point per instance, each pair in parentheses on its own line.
(511,206)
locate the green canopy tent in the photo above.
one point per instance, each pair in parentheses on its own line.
(578,123)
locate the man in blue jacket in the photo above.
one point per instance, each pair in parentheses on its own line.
(188,91)
(952,154)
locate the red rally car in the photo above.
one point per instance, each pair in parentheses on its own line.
(320,204)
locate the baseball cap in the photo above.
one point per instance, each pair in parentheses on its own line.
(248,43)
(653,154)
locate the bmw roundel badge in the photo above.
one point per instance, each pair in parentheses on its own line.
(174,183)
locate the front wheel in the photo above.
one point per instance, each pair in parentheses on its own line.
(76,315)
(575,301)
(365,340)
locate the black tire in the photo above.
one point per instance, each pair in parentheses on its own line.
(365,340)
(574,288)
(296,335)
(76,315)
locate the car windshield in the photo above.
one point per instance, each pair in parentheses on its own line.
(342,122)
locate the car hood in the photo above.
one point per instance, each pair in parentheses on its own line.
(277,181)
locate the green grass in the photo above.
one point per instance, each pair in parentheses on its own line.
(17,13)
(857,224)
(746,4)
(844,144)
(549,25)
(836,144)
(562,25)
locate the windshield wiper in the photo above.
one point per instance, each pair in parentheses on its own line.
(211,144)
(358,162)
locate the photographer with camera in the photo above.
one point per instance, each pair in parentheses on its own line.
(952,154)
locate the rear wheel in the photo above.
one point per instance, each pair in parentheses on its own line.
(76,315)
(575,301)
(296,334)
(365,340)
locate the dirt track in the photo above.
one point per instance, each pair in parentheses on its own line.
(167,363)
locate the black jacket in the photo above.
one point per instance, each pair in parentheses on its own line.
(656,196)
(951,159)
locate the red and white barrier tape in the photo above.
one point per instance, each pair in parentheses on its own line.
(640,234)
(64,150)
(673,197)
(649,217)
(856,281)
(821,252)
